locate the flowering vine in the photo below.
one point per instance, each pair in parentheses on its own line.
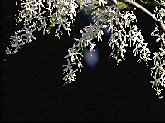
(117,16)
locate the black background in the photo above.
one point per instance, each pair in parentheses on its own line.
(32,80)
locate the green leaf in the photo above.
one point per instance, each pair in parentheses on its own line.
(52,24)
(123,5)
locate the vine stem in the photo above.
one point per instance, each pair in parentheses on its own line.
(137,5)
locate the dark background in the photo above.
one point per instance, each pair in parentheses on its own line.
(32,80)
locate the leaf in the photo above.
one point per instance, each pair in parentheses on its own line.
(123,5)
(52,24)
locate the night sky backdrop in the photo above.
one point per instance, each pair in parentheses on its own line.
(32,80)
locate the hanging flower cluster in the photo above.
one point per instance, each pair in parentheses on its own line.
(158,71)
(38,15)
(75,53)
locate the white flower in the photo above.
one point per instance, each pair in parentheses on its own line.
(102,2)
